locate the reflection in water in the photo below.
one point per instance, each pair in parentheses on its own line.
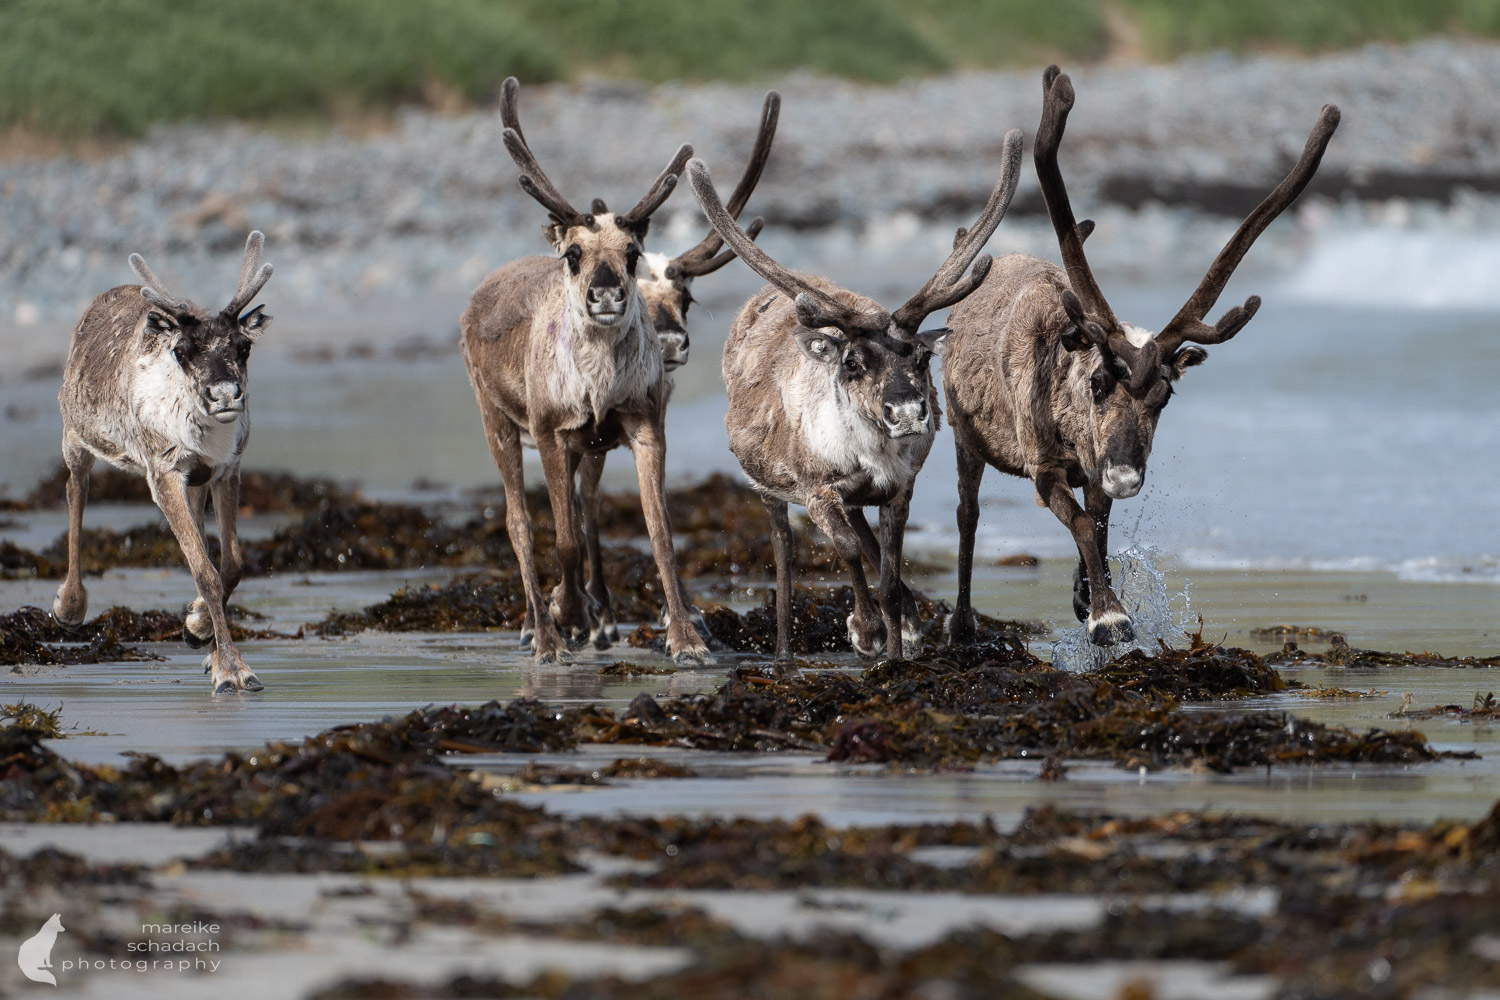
(562,682)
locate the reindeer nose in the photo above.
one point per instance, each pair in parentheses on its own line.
(225,397)
(907,417)
(600,295)
(1122,481)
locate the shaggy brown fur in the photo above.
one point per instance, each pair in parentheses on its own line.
(564,358)
(1042,381)
(831,405)
(159,387)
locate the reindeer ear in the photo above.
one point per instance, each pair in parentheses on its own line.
(162,323)
(554,232)
(255,322)
(933,339)
(1187,357)
(822,346)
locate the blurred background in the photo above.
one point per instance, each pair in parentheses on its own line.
(1354,424)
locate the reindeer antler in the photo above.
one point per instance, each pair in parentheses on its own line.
(154,292)
(1057,101)
(705,258)
(666,183)
(1188,324)
(949,285)
(251,280)
(534,180)
(815,308)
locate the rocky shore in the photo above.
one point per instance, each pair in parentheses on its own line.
(429,204)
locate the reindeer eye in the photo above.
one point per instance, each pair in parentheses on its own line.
(687,300)
(1099,385)
(574,254)
(852,365)
(632,257)
(244,352)
(180,352)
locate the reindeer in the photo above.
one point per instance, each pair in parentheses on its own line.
(157,386)
(666,292)
(1043,382)
(832,406)
(563,357)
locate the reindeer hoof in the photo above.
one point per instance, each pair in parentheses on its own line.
(961,627)
(693,656)
(869,647)
(252,683)
(69,617)
(1109,628)
(911,638)
(604,636)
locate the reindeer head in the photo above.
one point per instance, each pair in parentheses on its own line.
(1129,370)
(877,360)
(667,288)
(599,250)
(211,350)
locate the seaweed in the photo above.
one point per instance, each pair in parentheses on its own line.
(1484,708)
(29,716)
(1341,654)
(260,491)
(819,624)
(31,635)
(17,563)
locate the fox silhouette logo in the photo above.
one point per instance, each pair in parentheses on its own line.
(36,952)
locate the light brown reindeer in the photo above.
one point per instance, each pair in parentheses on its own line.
(563,357)
(666,291)
(157,386)
(831,405)
(1043,382)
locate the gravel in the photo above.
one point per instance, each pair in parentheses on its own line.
(430,205)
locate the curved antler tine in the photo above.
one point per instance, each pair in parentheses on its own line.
(813,306)
(1188,323)
(661,190)
(252,278)
(509,90)
(254,244)
(534,180)
(719,260)
(1057,102)
(945,288)
(152,289)
(701,259)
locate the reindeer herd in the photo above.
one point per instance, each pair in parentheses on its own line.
(832,404)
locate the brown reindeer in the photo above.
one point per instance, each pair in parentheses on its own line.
(666,291)
(1042,381)
(831,405)
(563,358)
(157,386)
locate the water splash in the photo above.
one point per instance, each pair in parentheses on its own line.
(1142,589)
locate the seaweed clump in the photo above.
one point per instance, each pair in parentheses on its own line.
(261,491)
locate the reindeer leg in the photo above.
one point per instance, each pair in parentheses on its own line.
(786,557)
(505,448)
(647,439)
(866,625)
(1098,504)
(567,608)
(962,626)
(227,668)
(911,617)
(197,626)
(71,605)
(1107,621)
(903,629)
(590,470)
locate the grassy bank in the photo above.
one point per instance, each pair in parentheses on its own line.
(78,68)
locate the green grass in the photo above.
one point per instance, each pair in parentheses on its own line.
(78,67)
(83,68)
(1172,27)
